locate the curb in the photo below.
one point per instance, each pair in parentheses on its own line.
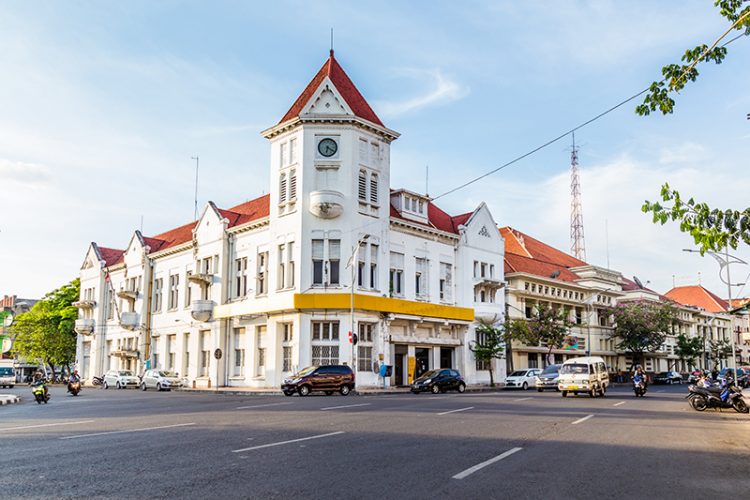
(7,399)
(362,392)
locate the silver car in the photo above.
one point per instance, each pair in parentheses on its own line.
(160,380)
(122,379)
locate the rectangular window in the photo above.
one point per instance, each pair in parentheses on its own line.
(362,186)
(482,364)
(533,360)
(158,284)
(280,277)
(363,151)
(171,351)
(326,267)
(282,189)
(334,259)
(292,185)
(188,289)
(325,348)
(262,277)
(205,350)
(397,274)
(361,256)
(420,278)
(110,303)
(174,290)
(238,344)
(364,346)
(318,262)
(286,346)
(374,153)
(283,154)
(290,264)
(293,150)
(374,267)
(446,281)
(260,351)
(374,189)
(240,277)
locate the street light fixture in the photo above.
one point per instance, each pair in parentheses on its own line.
(725,261)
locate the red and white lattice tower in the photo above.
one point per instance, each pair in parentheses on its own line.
(577,245)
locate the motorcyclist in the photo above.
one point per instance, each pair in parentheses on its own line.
(74,377)
(39,380)
(639,373)
(726,382)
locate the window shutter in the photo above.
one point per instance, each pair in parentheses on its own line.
(282,189)
(317,249)
(374,189)
(293,185)
(362,185)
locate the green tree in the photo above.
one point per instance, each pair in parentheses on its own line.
(46,333)
(718,350)
(547,326)
(490,345)
(641,326)
(689,348)
(676,76)
(711,228)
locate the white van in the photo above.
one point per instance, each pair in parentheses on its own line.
(7,373)
(587,374)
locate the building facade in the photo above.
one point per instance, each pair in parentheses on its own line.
(247,295)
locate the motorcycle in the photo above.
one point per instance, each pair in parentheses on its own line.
(639,386)
(98,380)
(729,396)
(39,390)
(74,387)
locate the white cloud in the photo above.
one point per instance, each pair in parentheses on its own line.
(687,152)
(28,174)
(442,91)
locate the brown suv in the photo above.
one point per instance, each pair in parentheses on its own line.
(327,379)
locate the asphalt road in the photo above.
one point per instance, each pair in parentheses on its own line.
(511,444)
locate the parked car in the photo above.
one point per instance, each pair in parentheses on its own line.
(160,380)
(585,374)
(548,378)
(122,379)
(670,377)
(437,381)
(522,379)
(327,379)
(741,379)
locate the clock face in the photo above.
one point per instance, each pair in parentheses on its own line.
(327,147)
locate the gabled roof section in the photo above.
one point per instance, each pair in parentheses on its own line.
(522,244)
(696,295)
(437,218)
(333,70)
(515,263)
(110,256)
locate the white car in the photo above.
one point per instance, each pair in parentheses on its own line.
(160,380)
(522,379)
(122,379)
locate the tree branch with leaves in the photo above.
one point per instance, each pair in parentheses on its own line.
(547,326)
(641,326)
(490,345)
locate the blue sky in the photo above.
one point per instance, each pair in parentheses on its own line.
(102,104)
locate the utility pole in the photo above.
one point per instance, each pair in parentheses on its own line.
(195,210)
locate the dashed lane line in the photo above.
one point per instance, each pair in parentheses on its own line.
(456,411)
(261,406)
(620,403)
(580,420)
(472,470)
(522,399)
(45,425)
(107,433)
(344,406)
(287,442)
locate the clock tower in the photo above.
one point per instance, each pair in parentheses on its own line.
(330,181)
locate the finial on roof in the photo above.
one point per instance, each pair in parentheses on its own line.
(331,42)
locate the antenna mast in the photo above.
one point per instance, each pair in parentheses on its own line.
(577,245)
(195,210)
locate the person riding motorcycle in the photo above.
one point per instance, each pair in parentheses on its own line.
(39,380)
(74,377)
(638,372)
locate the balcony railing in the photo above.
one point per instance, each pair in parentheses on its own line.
(202,310)
(84,304)
(326,204)
(129,320)
(84,326)
(130,295)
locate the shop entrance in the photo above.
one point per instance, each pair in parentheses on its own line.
(423,361)
(446,357)
(400,364)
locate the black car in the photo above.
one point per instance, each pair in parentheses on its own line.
(327,379)
(669,377)
(437,381)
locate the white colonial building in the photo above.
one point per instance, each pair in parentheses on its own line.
(246,295)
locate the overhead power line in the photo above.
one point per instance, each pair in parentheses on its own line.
(564,134)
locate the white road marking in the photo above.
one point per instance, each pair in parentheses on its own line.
(127,430)
(261,406)
(472,470)
(522,399)
(583,419)
(45,425)
(287,442)
(454,411)
(620,403)
(344,406)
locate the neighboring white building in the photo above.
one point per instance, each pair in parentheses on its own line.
(244,296)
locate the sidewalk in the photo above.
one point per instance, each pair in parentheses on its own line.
(8,399)
(363,391)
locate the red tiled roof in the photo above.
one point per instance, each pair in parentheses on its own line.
(515,263)
(343,84)
(696,295)
(522,244)
(739,302)
(438,218)
(110,255)
(252,210)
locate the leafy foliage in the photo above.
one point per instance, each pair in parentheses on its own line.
(641,326)
(688,348)
(490,345)
(546,326)
(711,228)
(46,332)
(718,350)
(676,76)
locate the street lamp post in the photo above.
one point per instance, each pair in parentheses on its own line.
(353,263)
(726,260)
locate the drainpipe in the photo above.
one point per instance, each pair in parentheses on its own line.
(147,330)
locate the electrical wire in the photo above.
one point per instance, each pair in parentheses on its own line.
(567,133)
